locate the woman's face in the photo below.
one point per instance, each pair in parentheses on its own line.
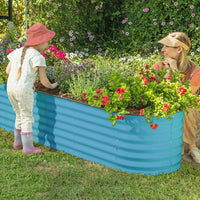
(170,52)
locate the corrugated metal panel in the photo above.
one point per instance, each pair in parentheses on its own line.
(85,132)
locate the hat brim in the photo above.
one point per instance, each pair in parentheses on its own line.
(36,40)
(168,42)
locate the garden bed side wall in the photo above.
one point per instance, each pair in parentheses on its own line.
(84,131)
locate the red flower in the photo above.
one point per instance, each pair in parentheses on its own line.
(145,81)
(163,64)
(141,111)
(84,95)
(96,97)
(147,67)
(153,79)
(105,101)
(166,107)
(154,126)
(169,79)
(120,97)
(182,90)
(120,91)
(99,91)
(120,117)
(147,72)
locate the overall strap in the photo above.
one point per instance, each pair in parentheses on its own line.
(190,72)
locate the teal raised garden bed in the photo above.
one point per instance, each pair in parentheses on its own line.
(84,131)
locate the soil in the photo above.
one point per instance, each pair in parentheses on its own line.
(56,92)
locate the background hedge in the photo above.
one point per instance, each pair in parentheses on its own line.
(116,27)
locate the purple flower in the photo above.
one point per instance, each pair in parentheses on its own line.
(191,7)
(127,33)
(193,14)
(171,23)
(175,3)
(192,53)
(100,49)
(59,4)
(130,23)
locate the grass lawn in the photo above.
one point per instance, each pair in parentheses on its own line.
(56,175)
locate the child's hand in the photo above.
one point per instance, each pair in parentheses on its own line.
(54,85)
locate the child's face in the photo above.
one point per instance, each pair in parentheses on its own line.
(44,46)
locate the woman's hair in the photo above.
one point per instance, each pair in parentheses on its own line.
(183,62)
(21,62)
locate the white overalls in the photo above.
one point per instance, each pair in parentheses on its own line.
(21,92)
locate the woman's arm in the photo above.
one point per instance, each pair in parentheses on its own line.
(8,68)
(44,80)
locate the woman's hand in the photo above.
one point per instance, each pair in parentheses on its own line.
(171,64)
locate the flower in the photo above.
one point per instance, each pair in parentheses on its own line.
(99,91)
(163,23)
(9,51)
(193,15)
(53,48)
(182,90)
(166,107)
(155,23)
(191,7)
(146,10)
(105,101)
(154,126)
(190,25)
(127,33)
(96,7)
(96,97)
(130,23)
(171,23)
(84,95)
(120,117)
(141,111)
(192,53)
(175,3)
(120,91)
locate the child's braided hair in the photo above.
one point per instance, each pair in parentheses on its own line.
(21,62)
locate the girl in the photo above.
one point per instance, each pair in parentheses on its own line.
(175,49)
(23,69)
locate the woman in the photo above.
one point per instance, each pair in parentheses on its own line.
(175,49)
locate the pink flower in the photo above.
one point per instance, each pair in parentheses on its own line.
(71,44)
(193,14)
(155,23)
(9,50)
(120,97)
(175,3)
(127,33)
(130,23)
(122,31)
(146,10)
(171,23)
(96,7)
(44,54)
(191,7)
(53,48)
(192,53)
(190,25)
(163,23)
(198,49)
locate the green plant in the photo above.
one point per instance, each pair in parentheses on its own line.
(148,92)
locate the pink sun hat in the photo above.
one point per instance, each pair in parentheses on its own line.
(38,34)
